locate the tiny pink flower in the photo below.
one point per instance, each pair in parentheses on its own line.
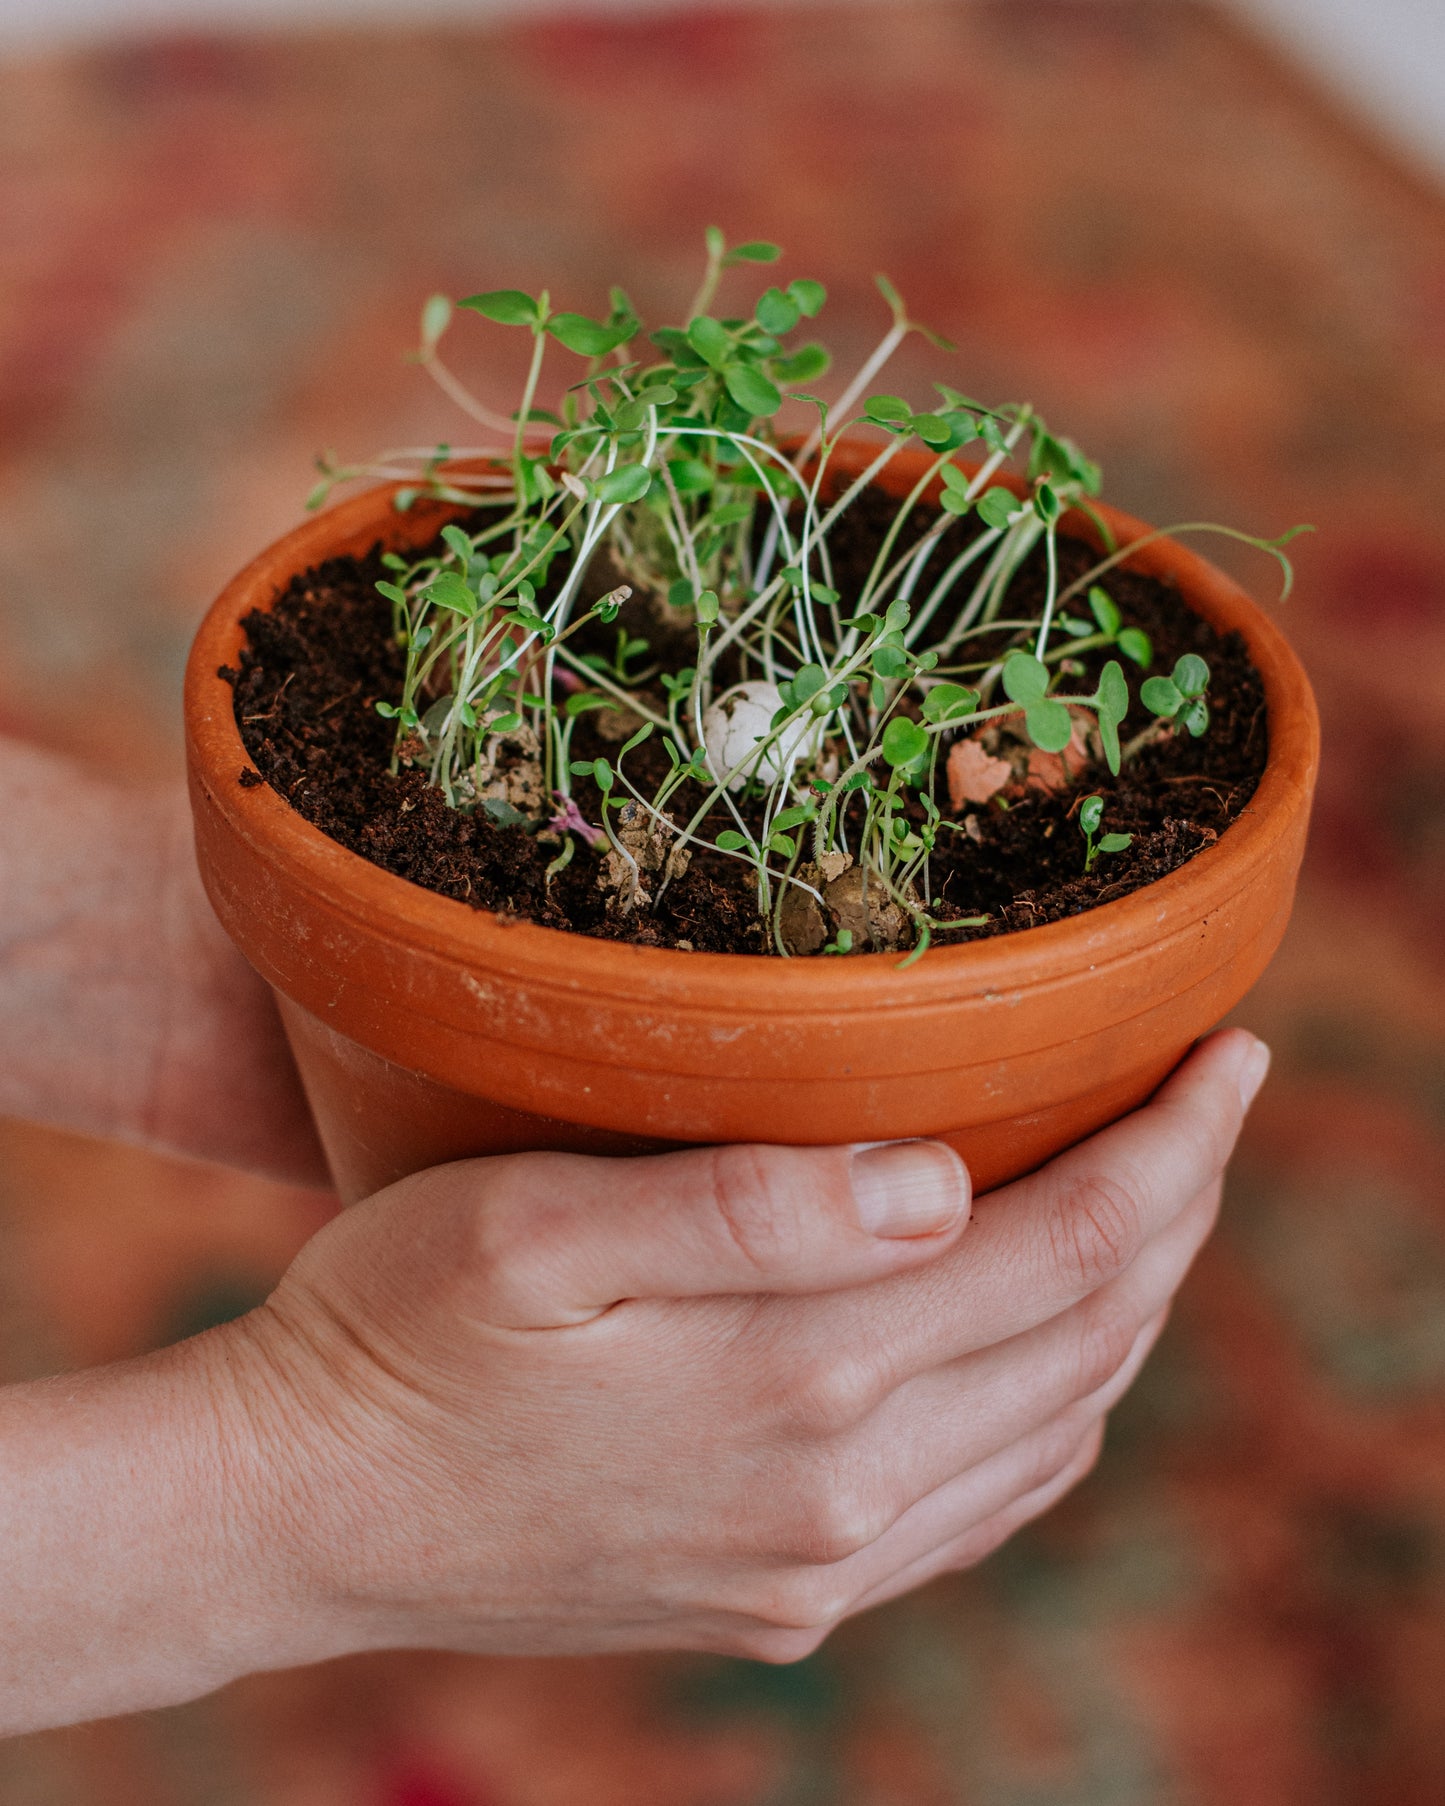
(569,819)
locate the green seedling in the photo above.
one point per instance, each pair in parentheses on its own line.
(1179,698)
(637,536)
(1091,816)
(1105,629)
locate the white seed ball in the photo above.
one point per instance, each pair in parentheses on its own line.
(733,726)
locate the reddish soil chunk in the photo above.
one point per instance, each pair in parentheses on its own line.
(318,662)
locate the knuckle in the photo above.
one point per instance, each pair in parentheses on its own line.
(977,1546)
(499,1262)
(1105,1341)
(826,1521)
(800,1603)
(757,1220)
(832,1394)
(1096,1228)
(846,1526)
(1057,1451)
(1088,1455)
(776,1647)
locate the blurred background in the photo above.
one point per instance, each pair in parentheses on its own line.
(1211,241)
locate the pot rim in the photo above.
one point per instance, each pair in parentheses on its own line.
(1024,960)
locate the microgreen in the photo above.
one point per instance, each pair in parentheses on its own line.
(1091,816)
(1179,698)
(1107,628)
(805,732)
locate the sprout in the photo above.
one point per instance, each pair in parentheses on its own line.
(800,730)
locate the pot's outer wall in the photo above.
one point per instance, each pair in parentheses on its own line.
(426,1030)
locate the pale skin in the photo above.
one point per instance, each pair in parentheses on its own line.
(717,1400)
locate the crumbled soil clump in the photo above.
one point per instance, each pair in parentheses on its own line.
(317,663)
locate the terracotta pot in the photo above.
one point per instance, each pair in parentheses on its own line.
(426,1030)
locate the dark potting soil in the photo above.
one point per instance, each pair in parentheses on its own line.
(317,663)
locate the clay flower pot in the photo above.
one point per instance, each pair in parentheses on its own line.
(426,1030)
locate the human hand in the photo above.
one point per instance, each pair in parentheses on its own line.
(545,1404)
(125,1011)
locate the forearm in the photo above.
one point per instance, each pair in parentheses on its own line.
(76,1048)
(124,1011)
(143,1560)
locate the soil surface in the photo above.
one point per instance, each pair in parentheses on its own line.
(317,663)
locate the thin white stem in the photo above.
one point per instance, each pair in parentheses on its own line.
(859,484)
(534,372)
(945,583)
(881,353)
(603,682)
(1051,553)
(457,391)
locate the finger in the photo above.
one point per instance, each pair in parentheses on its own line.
(1019,1464)
(951,1424)
(842,1522)
(945,1421)
(559,1238)
(979,1540)
(802,1599)
(1038,1246)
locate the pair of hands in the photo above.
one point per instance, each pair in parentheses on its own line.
(546,1404)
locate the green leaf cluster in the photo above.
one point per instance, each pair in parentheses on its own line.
(1179,698)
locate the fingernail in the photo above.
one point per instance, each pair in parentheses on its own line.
(1251,1073)
(905,1188)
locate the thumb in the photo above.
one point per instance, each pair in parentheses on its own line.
(562,1237)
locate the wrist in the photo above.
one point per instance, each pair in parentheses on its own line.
(148,1549)
(266,1474)
(316,1455)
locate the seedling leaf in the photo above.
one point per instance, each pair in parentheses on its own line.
(807,296)
(947,701)
(1025,679)
(508,306)
(588,338)
(1049,725)
(997,507)
(710,342)
(1191,675)
(628,483)
(1101,606)
(904,743)
(776,312)
(806,363)
(751,390)
(582,702)
(450,590)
